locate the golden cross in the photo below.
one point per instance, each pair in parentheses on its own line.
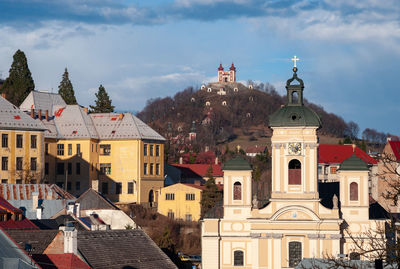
(295,59)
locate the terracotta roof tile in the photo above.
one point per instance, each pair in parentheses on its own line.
(201,169)
(339,153)
(395,145)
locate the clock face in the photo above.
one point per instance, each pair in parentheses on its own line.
(294,148)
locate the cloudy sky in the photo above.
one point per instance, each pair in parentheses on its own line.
(349,50)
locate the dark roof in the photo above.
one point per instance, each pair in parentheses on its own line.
(353,163)
(237,163)
(91,199)
(54,224)
(120,249)
(38,239)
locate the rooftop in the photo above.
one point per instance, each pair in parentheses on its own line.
(339,153)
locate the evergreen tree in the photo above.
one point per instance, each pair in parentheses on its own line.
(19,83)
(66,90)
(210,195)
(103,102)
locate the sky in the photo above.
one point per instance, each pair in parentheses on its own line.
(349,50)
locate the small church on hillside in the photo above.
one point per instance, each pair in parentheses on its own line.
(297,222)
(227,76)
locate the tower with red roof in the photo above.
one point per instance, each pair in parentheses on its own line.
(228,76)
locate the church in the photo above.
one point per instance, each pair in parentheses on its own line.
(295,223)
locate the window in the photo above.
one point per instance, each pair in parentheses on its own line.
(294,253)
(46,168)
(4,163)
(104,187)
(69,149)
(69,168)
(188,217)
(171,215)
(60,168)
(78,168)
(46,149)
(353,191)
(237,191)
(157,150)
(157,169)
(92,147)
(130,187)
(105,149)
(18,181)
(105,168)
(238,258)
(151,169)
(19,140)
(78,148)
(294,172)
(145,150)
(33,164)
(60,184)
(78,185)
(33,141)
(151,150)
(118,188)
(333,169)
(4,181)
(145,169)
(4,140)
(60,149)
(190,196)
(69,186)
(170,196)
(19,163)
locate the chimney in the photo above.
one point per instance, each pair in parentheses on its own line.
(180,160)
(35,199)
(47,115)
(85,109)
(40,114)
(121,116)
(39,211)
(77,210)
(32,113)
(216,160)
(70,239)
(70,208)
(3,94)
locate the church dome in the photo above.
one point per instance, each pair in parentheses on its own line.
(353,164)
(294,113)
(237,163)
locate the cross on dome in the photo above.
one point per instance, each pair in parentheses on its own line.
(295,59)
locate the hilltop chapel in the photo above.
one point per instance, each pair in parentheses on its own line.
(294,224)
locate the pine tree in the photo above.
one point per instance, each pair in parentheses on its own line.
(210,195)
(66,90)
(103,102)
(19,83)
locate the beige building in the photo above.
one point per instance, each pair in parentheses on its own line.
(295,224)
(22,146)
(114,153)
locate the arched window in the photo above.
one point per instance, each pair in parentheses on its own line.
(353,191)
(238,258)
(237,191)
(295,97)
(354,256)
(294,172)
(294,253)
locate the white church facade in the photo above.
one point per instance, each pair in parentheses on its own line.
(294,224)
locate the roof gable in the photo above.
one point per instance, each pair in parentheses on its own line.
(395,145)
(91,199)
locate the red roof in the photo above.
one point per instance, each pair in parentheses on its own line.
(395,145)
(339,153)
(61,261)
(201,169)
(232,67)
(14,224)
(255,149)
(220,68)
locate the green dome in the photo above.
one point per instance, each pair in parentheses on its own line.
(294,116)
(353,164)
(237,163)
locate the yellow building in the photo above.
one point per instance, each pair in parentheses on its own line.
(295,224)
(181,201)
(114,153)
(22,146)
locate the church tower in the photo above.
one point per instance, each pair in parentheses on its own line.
(294,146)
